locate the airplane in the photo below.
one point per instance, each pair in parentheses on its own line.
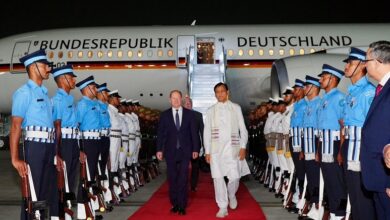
(146,63)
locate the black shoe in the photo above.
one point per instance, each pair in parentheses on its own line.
(175,209)
(98,217)
(193,189)
(182,211)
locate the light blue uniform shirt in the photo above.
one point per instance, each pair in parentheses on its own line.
(104,116)
(298,114)
(88,114)
(64,109)
(32,103)
(331,110)
(311,113)
(358,101)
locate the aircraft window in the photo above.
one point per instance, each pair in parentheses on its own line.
(151,94)
(141,94)
(150,53)
(292,51)
(160,53)
(250,52)
(139,53)
(70,54)
(301,51)
(90,54)
(271,52)
(60,54)
(51,55)
(161,94)
(281,52)
(312,50)
(120,53)
(80,54)
(240,52)
(261,52)
(100,54)
(170,53)
(129,53)
(109,53)
(230,53)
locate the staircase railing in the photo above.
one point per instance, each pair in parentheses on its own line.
(190,68)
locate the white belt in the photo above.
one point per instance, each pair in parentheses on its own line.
(91,134)
(40,134)
(69,131)
(116,132)
(104,132)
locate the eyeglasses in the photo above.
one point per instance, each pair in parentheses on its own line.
(365,61)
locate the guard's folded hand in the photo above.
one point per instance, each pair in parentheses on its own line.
(21,167)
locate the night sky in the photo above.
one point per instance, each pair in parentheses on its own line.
(19,16)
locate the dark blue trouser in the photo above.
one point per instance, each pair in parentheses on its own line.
(40,158)
(335,187)
(70,153)
(178,180)
(382,205)
(91,149)
(312,170)
(362,201)
(104,153)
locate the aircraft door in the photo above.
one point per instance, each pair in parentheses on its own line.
(184,42)
(20,49)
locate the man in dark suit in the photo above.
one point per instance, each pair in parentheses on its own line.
(376,129)
(178,141)
(200,127)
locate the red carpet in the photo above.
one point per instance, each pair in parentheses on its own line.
(201,204)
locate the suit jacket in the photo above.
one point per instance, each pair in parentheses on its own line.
(199,124)
(375,135)
(168,135)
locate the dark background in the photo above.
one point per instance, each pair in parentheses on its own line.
(23,16)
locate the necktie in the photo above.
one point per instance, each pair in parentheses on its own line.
(177,120)
(177,123)
(378,89)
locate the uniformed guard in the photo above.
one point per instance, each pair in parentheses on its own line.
(65,121)
(296,129)
(102,96)
(358,101)
(270,146)
(88,117)
(115,144)
(123,149)
(310,142)
(32,113)
(330,122)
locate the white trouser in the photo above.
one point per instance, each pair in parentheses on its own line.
(222,193)
(137,147)
(115,144)
(123,154)
(132,149)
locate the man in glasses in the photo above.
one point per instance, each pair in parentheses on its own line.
(376,130)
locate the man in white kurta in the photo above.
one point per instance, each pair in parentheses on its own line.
(225,139)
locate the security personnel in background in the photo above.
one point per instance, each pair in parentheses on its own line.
(115,143)
(296,128)
(358,101)
(310,139)
(124,148)
(330,122)
(88,117)
(32,112)
(65,121)
(270,145)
